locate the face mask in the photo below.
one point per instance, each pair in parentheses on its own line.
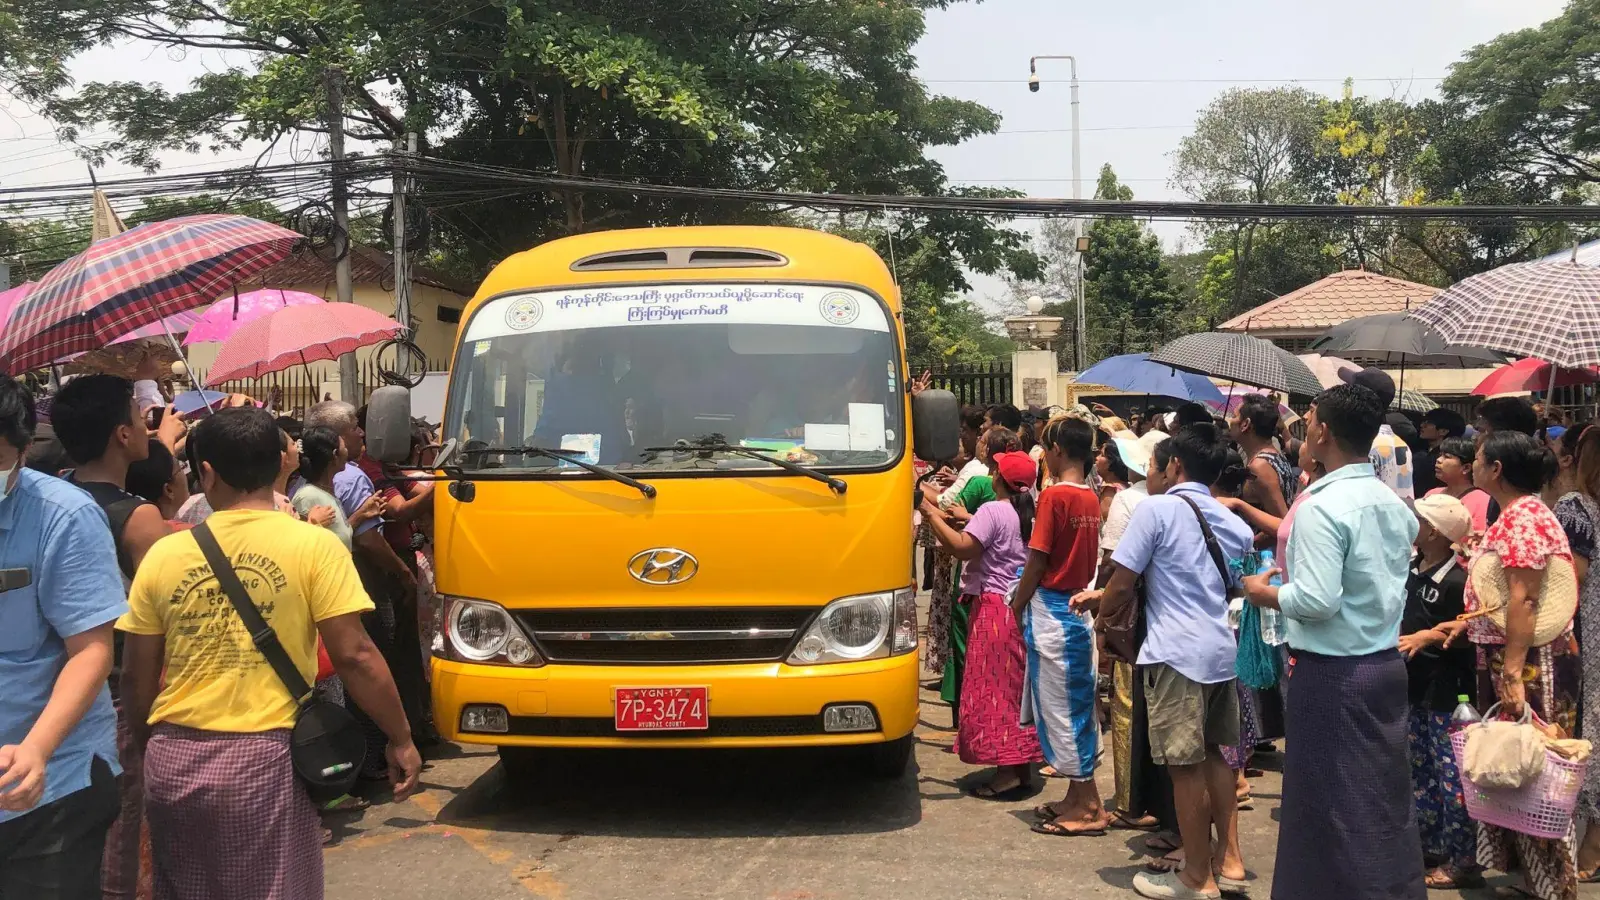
(5,480)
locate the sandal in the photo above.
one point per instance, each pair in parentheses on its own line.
(1160,843)
(1009,795)
(1044,812)
(1446,878)
(347,803)
(1592,876)
(1171,862)
(1245,802)
(1050,772)
(1054,828)
(1121,822)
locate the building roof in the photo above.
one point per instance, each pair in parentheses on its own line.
(1338,298)
(368,265)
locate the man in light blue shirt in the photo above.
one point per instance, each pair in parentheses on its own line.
(1186,660)
(60,592)
(1349,824)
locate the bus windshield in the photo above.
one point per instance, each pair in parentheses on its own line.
(805,373)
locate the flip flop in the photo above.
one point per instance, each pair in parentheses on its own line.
(1453,880)
(1590,877)
(1160,843)
(1122,823)
(1054,828)
(1009,795)
(1167,863)
(1050,772)
(1232,885)
(1245,803)
(1044,813)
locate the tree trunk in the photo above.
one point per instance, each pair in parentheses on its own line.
(568,157)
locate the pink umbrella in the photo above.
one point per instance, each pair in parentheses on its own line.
(8,299)
(1233,395)
(230,313)
(296,336)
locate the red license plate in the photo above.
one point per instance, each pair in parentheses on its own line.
(662,709)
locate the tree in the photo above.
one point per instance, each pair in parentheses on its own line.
(759,94)
(1243,150)
(1536,94)
(1128,290)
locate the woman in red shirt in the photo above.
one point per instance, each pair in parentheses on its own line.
(1062,555)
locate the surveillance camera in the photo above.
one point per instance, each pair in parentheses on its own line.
(1033,83)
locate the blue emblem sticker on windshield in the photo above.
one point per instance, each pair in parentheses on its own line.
(839,308)
(524,314)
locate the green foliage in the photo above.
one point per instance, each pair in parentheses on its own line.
(726,93)
(1534,93)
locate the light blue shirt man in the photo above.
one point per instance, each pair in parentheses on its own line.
(1349,552)
(1186,602)
(61,537)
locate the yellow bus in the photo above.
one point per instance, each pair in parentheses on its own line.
(677,500)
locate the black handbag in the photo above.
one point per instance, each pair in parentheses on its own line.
(326,746)
(1122,629)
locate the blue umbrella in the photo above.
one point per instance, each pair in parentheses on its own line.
(1134,373)
(191,402)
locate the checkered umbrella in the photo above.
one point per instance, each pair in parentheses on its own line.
(135,279)
(1240,358)
(1547,310)
(1414,401)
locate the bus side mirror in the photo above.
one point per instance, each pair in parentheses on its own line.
(936,424)
(389,424)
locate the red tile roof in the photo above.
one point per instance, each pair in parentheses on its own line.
(368,265)
(1338,298)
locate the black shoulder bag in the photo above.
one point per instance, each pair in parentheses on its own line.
(1122,629)
(326,745)
(1212,547)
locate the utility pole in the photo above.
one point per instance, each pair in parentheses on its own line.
(344,290)
(1077,187)
(402,264)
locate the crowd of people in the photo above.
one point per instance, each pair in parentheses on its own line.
(144,740)
(1201,587)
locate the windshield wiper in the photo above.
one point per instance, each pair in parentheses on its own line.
(571,456)
(683,446)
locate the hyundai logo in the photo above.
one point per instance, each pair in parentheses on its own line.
(663,565)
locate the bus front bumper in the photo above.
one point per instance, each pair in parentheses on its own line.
(749,704)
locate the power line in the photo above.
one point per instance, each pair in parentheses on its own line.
(1021,81)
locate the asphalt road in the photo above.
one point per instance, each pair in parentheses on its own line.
(786,825)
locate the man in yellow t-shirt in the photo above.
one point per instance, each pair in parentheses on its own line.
(216,733)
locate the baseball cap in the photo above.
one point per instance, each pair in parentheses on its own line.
(1017,469)
(1447,514)
(1374,380)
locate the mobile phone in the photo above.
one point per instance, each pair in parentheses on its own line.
(153,417)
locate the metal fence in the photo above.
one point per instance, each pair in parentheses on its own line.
(976,384)
(295,390)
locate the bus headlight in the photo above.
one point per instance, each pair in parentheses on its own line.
(861,627)
(480,631)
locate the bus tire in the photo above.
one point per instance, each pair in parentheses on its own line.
(521,764)
(889,759)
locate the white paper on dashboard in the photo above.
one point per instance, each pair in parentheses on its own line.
(866,426)
(827,437)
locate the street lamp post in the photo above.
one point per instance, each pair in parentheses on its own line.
(1034,84)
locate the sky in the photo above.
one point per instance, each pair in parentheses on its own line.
(1147,69)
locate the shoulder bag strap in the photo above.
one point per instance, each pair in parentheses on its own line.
(266,640)
(1214,548)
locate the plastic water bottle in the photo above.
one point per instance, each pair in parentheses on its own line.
(1464,715)
(1268,561)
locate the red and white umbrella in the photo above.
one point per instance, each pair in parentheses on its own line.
(298,335)
(134,279)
